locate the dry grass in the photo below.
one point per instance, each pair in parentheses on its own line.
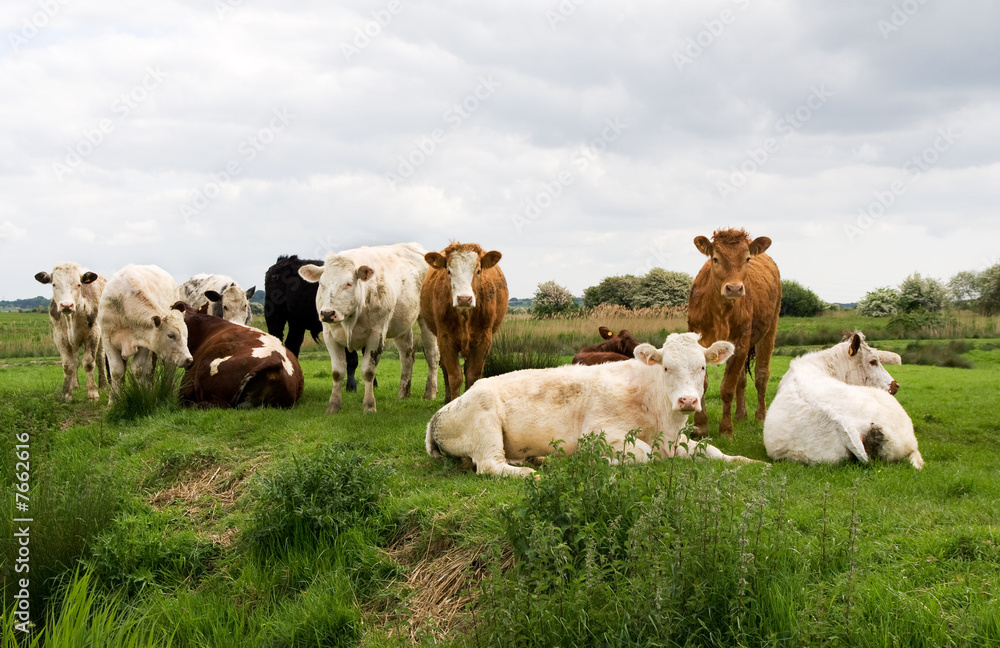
(646,324)
(207,487)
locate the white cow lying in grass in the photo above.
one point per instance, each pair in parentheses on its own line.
(837,403)
(516,416)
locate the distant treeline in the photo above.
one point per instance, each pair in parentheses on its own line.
(24,304)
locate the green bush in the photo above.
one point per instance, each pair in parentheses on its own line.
(662,288)
(916,323)
(799,301)
(617,290)
(881,302)
(552,299)
(989,290)
(918,293)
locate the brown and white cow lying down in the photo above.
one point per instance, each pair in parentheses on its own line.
(237,366)
(76,295)
(463,301)
(836,404)
(220,296)
(140,314)
(516,416)
(615,348)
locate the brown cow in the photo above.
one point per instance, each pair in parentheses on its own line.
(237,366)
(463,301)
(736,297)
(615,348)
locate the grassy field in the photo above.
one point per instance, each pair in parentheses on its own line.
(294,528)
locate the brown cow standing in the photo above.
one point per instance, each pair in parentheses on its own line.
(736,297)
(237,366)
(463,301)
(615,348)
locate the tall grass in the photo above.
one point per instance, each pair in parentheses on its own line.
(136,399)
(26,335)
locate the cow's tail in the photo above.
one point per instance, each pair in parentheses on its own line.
(432,446)
(751,360)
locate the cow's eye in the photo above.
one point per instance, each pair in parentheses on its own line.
(874,363)
(172,336)
(715,260)
(747,261)
(348,285)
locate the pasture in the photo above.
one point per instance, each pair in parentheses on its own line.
(294,528)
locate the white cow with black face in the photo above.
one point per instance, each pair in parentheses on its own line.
(141,314)
(515,417)
(220,296)
(836,404)
(76,295)
(365,296)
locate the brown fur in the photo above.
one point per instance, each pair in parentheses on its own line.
(749,322)
(615,348)
(463,334)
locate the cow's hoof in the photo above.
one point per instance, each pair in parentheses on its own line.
(430,394)
(369,407)
(352,388)
(93,395)
(332,409)
(741,416)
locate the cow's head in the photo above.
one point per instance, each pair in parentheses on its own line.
(231,304)
(342,287)
(621,342)
(67,279)
(465,264)
(683,363)
(730,252)
(170,336)
(859,364)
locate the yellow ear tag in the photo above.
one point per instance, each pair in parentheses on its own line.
(850,351)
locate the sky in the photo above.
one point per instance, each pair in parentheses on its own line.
(580,138)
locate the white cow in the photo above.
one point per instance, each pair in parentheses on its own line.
(516,416)
(139,315)
(76,295)
(837,403)
(220,295)
(366,295)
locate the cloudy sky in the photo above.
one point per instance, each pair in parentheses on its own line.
(581,138)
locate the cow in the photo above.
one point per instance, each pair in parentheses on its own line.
(220,296)
(838,404)
(736,297)
(365,296)
(141,314)
(517,416)
(237,366)
(615,348)
(463,301)
(76,295)
(290,299)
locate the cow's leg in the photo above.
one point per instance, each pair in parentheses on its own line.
(734,368)
(640,452)
(452,364)
(102,376)
(373,353)
(352,366)
(338,365)
(765,347)
(89,360)
(70,366)
(407,354)
(296,333)
(741,396)
(432,356)
(476,360)
(116,369)
(701,416)
(143,366)
(685,449)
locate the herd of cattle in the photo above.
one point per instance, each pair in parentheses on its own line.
(831,405)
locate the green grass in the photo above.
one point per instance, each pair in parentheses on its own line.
(169,512)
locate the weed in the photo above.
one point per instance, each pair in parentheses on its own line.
(135,399)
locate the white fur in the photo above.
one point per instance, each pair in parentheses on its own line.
(828,403)
(515,416)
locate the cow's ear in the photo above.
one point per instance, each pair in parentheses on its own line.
(888,357)
(855,345)
(490,259)
(250,291)
(759,245)
(648,354)
(311,272)
(180,306)
(606,333)
(435,260)
(204,308)
(719,352)
(156,321)
(703,244)
(88,277)
(43,277)
(213,296)
(365,273)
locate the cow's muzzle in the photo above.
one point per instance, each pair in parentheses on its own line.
(733,291)
(687,404)
(465,302)
(893,387)
(330,316)
(187,363)
(67,307)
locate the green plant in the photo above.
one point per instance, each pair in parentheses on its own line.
(918,293)
(881,302)
(552,299)
(799,301)
(662,288)
(136,399)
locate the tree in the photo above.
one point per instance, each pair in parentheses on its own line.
(619,290)
(965,289)
(662,288)
(799,301)
(922,293)
(551,298)
(881,302)
(989,290)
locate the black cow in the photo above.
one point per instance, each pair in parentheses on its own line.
(290,299)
